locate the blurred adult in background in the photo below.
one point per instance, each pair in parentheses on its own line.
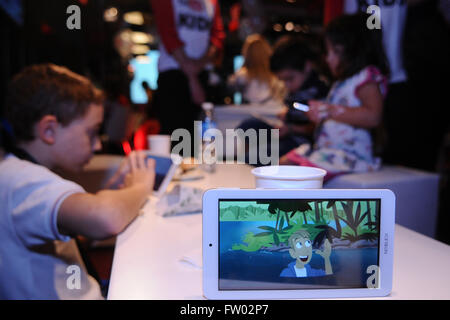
(255,79)
(415,39)
(191,37)
(426,60)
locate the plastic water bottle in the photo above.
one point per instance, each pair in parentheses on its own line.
(208,149)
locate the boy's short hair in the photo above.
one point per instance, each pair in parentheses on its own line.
(291,53)
(47,89)
(298,234)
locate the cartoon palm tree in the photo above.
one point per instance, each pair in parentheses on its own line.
(316,212)
(370,224)
(284,210)
(294,206)
(353,221)
(332,204)
(327,231)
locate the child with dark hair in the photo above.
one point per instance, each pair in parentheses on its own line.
(55,116)
(294,63)
(355,102)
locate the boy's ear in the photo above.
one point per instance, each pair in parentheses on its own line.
(46,129)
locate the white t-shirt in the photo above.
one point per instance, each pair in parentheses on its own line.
(393,18)
(193,25)
(34,256)
(300,273)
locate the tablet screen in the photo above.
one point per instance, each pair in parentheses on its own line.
(162,166)
(279,244)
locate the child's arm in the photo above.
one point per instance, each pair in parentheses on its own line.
(108,212)
(367,116)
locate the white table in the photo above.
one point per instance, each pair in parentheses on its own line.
(148,255)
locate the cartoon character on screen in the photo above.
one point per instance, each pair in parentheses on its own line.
(301,250)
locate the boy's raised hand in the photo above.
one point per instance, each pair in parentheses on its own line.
(326,252)
(137,158)
(142,170)
(117,180)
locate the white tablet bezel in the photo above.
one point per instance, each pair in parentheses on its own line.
(176,160)
(211,253)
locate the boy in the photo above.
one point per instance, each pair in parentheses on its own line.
(301,250)
(55,115)
(292,62)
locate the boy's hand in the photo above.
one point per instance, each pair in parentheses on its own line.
(117,180)
(142,171)
(326,252)
(197,92)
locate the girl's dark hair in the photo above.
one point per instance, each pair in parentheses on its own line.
(360,45)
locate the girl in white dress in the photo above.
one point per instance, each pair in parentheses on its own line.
(354,105)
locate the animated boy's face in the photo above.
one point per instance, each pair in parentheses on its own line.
(301,249)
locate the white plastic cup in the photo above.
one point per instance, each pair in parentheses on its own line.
(288,177)
(159,144)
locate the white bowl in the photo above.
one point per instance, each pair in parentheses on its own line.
(289,177)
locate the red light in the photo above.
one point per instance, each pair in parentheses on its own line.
(126,147)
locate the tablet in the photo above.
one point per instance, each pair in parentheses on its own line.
(309,243)
(165,168)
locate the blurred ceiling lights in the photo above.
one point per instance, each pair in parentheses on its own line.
(110,14)
(143,59)
(140,49)
(134,17)
(141,37)
(289,26)
(277,27)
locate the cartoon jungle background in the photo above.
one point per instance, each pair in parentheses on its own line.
(254,239)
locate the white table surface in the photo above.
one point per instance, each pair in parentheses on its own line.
(150,255)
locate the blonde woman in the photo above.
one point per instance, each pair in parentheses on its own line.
(254,79)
